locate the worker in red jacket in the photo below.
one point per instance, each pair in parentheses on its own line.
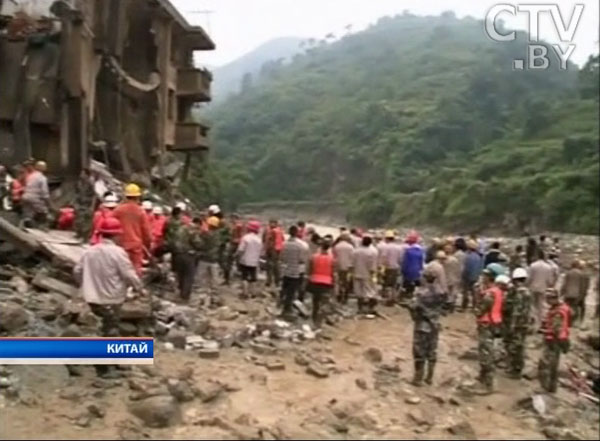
(320,280)
(273,241)
(137,237)
(159,221)
(104,211)
(147,206)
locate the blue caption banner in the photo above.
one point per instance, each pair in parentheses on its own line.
(77,348)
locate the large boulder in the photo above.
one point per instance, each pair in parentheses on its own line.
(157,412)
(13,317)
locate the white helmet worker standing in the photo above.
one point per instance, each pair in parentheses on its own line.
(519,273)
(214,209)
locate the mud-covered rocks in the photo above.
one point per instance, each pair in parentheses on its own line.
(180,390)
(13,317)
(160,411)
(374,355)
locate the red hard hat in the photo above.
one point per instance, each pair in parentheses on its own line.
(110,225)
(254,226)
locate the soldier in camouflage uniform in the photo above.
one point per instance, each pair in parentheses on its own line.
(224,241)
(182,241)
(85,201)
(489,318)
(210,245)
(425,311)
(516,311)
(556,340)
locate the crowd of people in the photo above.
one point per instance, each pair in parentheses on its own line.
(512,295)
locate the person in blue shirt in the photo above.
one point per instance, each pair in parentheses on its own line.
(412,265)
(471,272)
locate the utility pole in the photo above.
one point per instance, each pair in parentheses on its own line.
(206,14)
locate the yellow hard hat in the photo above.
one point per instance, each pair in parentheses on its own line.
(132,191)
(390,234)
(213,221)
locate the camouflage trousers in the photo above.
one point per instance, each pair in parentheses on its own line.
(485,338)
(109,316)
(425,346)
(83,223)
(273,274)
(514,341)
(548,366)
(109,327)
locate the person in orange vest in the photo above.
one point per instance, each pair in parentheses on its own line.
(104,211)
(66,218)
(321,281)
(556,340)
(137,237)
(273,240)
(489,320)
(158,224)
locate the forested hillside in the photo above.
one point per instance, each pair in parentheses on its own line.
(417,120)
(228,79)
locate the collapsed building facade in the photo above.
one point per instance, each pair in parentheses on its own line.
(112,81)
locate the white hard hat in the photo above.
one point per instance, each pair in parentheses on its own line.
(181,206)
(147,205)
(110,201)
(158,210)
(519,273)
(502,279)
(214,209)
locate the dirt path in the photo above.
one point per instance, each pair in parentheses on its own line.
(289,403)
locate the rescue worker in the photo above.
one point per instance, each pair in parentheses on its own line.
(105,273)
(85,205)
(36,197)
(493,255)
(364,265)
(293,256)
(574,289)
(553,262)
(436,245)
(516,310)
(184,216)
(182,242)
(17,188)
(412,264)
(390,260)
(302,269)
(105,210)
(321,281)
(159,222)
(147,207)
(301,230)
(531,251)
(437,267)
(470,275)
(556,340)
(342,255)
(208,265)
(425,311)
(541,277)
(453,270)
(66,218)
(273,242)
(214,210)
(356,237)
(249,253)
(489,318)
(137,237)
(236,233)
(518,259)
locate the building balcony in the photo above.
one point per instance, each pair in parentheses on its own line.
(191,136)
(194,83)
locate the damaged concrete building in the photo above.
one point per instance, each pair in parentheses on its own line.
(107,80)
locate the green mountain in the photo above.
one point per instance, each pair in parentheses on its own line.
(228,78)
(416,120)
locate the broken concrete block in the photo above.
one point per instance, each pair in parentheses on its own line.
(159,411)
(209,353)
(54,285)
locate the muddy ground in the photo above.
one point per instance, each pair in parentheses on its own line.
(245,395)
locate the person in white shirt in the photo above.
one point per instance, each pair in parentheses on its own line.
(342,254)
(390,258)
(541,278)
(364,265)
(249,252)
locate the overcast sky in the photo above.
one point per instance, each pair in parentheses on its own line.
(238,26)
